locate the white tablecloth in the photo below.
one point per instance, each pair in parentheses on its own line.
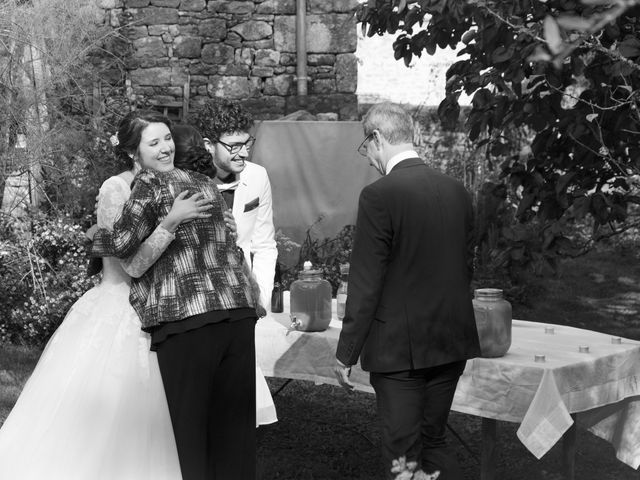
(602,387)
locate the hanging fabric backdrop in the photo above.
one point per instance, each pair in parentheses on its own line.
(315,171)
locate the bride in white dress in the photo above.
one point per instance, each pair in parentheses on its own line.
(94,407)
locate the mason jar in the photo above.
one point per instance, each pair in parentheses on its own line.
(493,320)
(310,301)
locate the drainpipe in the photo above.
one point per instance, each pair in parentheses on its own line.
(301,50)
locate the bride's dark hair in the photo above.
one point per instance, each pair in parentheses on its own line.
(190,151)
(130,131)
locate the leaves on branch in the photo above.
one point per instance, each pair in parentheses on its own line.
(566,72)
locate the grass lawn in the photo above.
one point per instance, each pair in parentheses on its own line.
(326,434)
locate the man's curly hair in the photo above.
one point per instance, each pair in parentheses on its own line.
(219,116)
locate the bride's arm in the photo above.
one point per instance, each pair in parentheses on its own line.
(111,198)
(148,253)
(130,226)
(183,210)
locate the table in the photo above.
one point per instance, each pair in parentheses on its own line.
(598,390)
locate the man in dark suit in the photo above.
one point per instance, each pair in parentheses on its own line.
(409,315)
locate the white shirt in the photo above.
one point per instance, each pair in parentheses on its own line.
(398,157)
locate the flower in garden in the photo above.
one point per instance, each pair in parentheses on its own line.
(407,471)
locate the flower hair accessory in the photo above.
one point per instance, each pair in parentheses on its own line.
(114,140)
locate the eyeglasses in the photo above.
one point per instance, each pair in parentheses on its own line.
(362,149)
(236,147)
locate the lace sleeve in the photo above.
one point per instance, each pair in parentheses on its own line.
(137,220)
(113,194)
(148,253)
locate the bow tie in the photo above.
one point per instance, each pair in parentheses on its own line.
(228,186)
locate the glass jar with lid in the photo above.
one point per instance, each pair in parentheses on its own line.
(310,301)
(493,320)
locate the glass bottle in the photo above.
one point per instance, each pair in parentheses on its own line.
(310,298)
(493,320)
(341,295)
(276,293)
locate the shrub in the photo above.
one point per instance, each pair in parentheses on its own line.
(44,273)
(325,254)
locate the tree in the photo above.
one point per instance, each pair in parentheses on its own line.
(567,73)
(52,54)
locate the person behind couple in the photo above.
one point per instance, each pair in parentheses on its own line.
(197,304)
(409,316)
(225,126)
(191,154)
(94,406)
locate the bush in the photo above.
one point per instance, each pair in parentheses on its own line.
(44,273)
(325,254)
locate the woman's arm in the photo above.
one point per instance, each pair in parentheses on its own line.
(148,253)
(183,210)
(111,199)
(138,219)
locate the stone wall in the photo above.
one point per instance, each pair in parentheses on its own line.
(243,49)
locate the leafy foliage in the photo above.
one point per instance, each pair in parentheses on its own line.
(325,254)
(62,84)
(44,273)
(565,73)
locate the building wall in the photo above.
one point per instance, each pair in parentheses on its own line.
(243,49)
(383,78)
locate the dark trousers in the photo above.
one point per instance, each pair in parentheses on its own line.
(413,407)
(209,377)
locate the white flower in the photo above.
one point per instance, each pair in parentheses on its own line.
(115,141)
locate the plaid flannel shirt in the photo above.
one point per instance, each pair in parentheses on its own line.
(200,271)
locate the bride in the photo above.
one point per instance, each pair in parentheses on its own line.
(94,406)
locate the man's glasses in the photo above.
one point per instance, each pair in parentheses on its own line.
(236,147)
(362,149)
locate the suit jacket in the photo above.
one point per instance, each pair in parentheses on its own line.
(409,303)
(253,212)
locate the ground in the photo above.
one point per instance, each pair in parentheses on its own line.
(326,434)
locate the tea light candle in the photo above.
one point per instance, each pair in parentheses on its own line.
(539,358)
(583,349)
(616,340)
(549,330)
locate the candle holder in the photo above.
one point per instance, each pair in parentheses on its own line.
(539,358)
(616,340)
(583,349)
(549,330)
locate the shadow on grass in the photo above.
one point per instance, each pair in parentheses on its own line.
(326,434)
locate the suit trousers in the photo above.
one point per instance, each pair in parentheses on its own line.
(209,377)
(413,407)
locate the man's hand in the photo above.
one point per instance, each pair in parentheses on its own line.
(230,222)
(342,374)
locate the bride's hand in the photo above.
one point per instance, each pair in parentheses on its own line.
(186,209)
(90,233)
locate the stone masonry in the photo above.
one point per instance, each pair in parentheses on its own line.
(243,49)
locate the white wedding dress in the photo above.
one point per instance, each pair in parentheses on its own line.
(94,407)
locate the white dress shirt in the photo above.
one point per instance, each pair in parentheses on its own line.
(398,157)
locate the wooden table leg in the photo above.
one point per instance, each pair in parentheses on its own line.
(569,451)
(489,455)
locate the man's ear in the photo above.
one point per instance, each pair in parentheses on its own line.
(377,138)
(208,144)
